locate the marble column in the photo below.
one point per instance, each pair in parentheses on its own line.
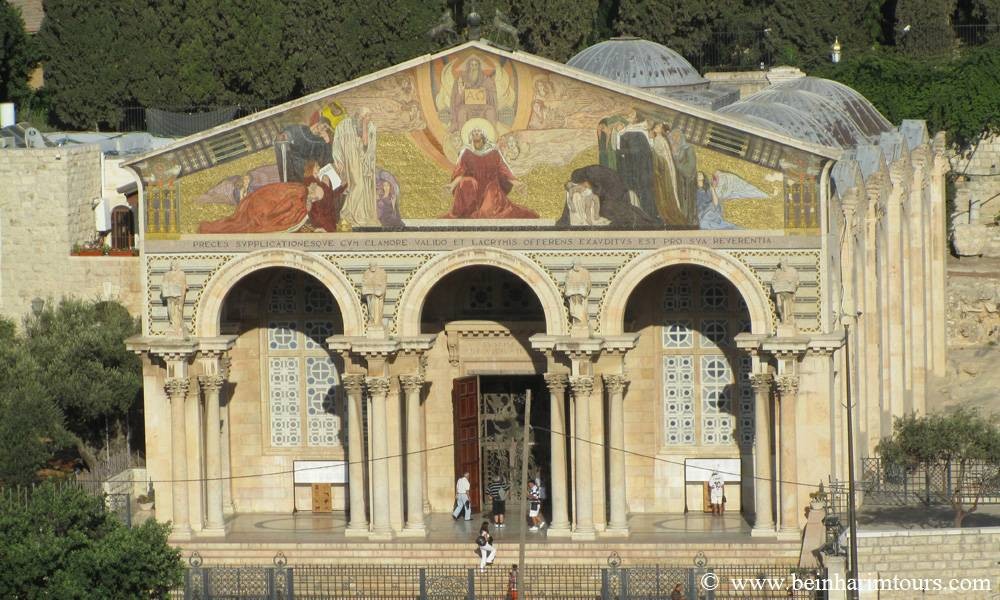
(763,481)
(616,385)
(227,471)
(788,386)
(412,385)
(214,520)
(378,390)
(558,491)
(177,390)
(583,521)
(354,385)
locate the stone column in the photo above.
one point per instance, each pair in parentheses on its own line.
(214,520)
(616,385)
(583,386)
(378,390)
(558,490)
(354,384)
(763,501)
(227,471)
(788,386)
(177,389)
(412,385)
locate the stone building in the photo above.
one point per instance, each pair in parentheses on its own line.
(346,296)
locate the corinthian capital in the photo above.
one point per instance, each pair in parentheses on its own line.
(788,385)
(354,383)
(377,386)
(582,385)
(616,384)
(761,382)
(411,383)
(211,383)
(556,382)
(176,388)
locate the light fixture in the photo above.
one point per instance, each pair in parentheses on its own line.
(37,305)
(835,51)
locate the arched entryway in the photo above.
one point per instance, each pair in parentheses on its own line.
(284,422)
(480,369)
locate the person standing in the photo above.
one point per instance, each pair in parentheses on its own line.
(462,487)
(498,491)
(717,493)
(487,552)
(512,583)
(534,507)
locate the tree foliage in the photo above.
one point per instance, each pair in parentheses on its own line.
(923,27)
(957,439)
(61,543)
(18,55)
(84,366)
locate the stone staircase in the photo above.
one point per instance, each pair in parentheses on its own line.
(462,554)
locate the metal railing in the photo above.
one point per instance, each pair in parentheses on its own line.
(280,581)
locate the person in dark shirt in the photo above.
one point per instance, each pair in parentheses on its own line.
(498,489)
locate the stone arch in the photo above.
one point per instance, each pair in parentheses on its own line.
(411,304)
(216,289)
(612,315)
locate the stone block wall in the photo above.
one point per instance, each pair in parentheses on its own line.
(977,191)
(944,554)
(45,208)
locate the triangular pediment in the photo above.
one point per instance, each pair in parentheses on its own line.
(395,150)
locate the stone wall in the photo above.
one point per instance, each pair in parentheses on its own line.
(977,199)
(928,554)
(45,208)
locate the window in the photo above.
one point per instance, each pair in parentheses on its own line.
(707,398)
(304,394)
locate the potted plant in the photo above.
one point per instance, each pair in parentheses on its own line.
(121,252)
(146,501)
(92,248)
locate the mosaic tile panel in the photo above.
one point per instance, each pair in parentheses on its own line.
(284,401)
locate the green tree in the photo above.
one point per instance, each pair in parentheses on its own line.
(958,440)
(684,25)
(924,27)
(18,55)
(84,366)
(802,32)
(555,29)
(31,426)
(61,543)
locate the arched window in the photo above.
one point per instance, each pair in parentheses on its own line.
(707,396)
(302,386)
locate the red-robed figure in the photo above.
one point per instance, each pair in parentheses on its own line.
(481,182)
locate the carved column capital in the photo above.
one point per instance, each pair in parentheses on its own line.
(176,388)
(377,386)
(788,385)
(582,385)
(556,382)
(211,383)
(354,383)
(411,383)
(761,382)
(616,384)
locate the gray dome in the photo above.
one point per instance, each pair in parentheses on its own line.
(638,63)
(815,110)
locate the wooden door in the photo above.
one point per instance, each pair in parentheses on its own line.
(465,401)
(322,498)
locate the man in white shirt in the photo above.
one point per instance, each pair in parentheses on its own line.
(717,491)
(462,487)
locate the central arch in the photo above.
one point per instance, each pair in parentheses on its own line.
(411,303)
(209,311)
(632,274)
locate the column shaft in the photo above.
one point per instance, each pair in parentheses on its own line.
(763,502)
(213,453)
(582,387)
(787,391)
(616,438)
(378,389)
(354,384)
(177,392)
(412,384)
(558,491)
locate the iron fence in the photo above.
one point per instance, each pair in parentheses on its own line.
(897,484)
(452,582)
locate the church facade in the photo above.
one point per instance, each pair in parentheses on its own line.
(348,297)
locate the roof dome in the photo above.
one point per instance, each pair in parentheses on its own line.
(814,110)
(638,63)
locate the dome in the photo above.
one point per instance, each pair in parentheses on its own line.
(638,63)
(814,110)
